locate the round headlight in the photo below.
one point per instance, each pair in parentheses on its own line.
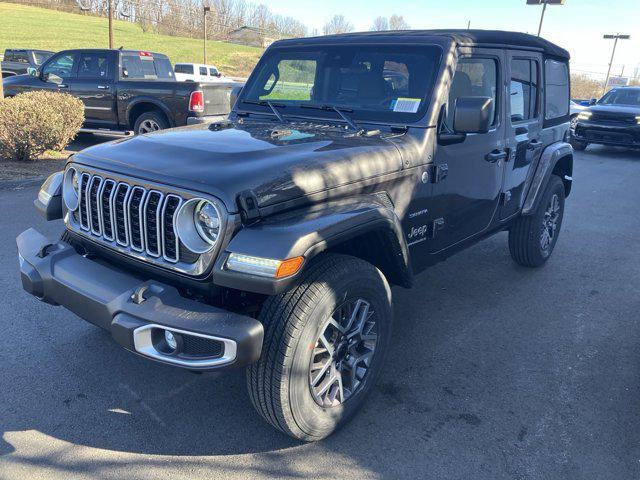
(207,220)
(71,188)
(198,224)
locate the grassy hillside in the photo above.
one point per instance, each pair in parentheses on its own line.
(30,27)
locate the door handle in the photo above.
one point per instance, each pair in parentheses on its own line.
(63,85)
(495,155)
(103,87)
(534,145)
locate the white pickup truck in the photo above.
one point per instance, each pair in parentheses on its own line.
(198,72)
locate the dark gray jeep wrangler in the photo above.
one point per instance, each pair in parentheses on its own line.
(271,241)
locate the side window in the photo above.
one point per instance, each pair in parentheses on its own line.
(523,91)
(203,71)
(474,77)
(60,68)
(556,82)
(93,65)
(20,56)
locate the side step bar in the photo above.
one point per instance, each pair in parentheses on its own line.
(104,131)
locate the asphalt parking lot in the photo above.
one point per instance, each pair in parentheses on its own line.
(496,371)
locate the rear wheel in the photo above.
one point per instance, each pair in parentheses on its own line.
(533,238)
(150,122)
(324,346)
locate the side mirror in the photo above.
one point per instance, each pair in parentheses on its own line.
(472,114)
(235,93)
(593,101)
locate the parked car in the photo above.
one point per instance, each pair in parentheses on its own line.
(195,72)
(271,240)
(126,90)
(19,61)
(613,120)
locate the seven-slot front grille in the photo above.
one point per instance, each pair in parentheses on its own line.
(131,215)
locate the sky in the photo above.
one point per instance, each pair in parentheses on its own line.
(577,26)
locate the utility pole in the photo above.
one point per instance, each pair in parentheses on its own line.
(110,14)
(615,39)
(207,9)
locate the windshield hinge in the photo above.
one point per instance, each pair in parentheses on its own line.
(437,173)
(248,203)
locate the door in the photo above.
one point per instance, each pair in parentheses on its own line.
(467,191)
(58,73)
(523,129)
(94,85)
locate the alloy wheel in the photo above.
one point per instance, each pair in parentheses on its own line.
(343,353)
(550,223)
(148,126)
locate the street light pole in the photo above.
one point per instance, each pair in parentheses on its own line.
(204,33)
(544,8)
(615,39)
(544,4)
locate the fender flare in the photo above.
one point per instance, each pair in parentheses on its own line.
(308,232)
(155,102)
(547,163)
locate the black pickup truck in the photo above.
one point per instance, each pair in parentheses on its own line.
(125,90)
(349,164)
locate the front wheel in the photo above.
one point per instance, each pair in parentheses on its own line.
(533,238)
(578,145)
(323,349)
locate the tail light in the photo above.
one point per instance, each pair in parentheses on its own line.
(196,101)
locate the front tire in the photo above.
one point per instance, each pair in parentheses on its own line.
(323,348)
(533,238)
(578,145)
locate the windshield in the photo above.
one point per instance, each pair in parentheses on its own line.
(379,83)
(40,57)
(622,97)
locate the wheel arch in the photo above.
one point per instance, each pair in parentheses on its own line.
(363,228)
(144,105)
(556,159)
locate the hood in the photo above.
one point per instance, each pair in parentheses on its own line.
(278,162)
(613,109)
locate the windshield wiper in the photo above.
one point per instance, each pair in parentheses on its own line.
(267,103)
(339,111)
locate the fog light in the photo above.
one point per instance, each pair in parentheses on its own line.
(172,343)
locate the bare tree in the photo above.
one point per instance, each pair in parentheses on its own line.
(397,22)
(338,24)
(380,24)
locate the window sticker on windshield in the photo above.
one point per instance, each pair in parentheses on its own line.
(405,105)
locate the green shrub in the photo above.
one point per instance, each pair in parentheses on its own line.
(34,122)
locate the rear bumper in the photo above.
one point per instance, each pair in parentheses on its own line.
(206,119)
(135,311)
(607,133)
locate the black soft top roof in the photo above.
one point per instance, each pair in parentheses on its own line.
(461,37)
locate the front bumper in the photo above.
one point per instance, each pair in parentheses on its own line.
(607,133)
(135,311)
